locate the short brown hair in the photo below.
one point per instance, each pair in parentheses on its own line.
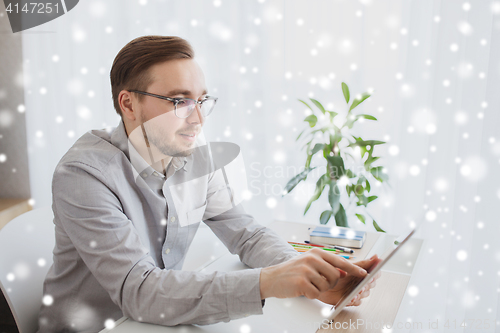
(131,64)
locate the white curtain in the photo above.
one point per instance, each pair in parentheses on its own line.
(434,70)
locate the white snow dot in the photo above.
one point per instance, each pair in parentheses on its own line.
(413,291)
(441,185)
(71,134)
(109,324)
(21,108)
(55,58)
(453,47)
(300,22)
(31,202)
(84,70)
(258,104)
(288,75)
(466,6)
(41,262)
(108,29)
(243,70)
(414,170)
(354,67)
(11,277)
(430,216)
(194,23)
(43,91)
(3,158)
(47,300)
(217,3)
(461,117)
(93,244)
(393,150)
(495,7)
(430,128)
(462,255)
(271,202)
(245,328)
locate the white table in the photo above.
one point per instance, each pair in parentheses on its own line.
(295,314)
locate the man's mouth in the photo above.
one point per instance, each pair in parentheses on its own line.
(188,136)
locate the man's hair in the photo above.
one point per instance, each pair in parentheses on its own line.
(130,68)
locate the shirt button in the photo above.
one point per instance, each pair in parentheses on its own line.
(144,175)
(167,251)
(172,219)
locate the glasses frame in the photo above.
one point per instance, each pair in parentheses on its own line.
(178,99)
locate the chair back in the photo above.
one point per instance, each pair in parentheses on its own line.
(26,245)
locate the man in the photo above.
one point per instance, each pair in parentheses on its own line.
(127,205)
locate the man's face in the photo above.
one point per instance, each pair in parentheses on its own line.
(180,78)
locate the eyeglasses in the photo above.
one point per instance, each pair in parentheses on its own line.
(183,107)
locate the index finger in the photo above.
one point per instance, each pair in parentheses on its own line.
(343,264)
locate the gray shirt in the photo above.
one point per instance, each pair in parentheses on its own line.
(121,240)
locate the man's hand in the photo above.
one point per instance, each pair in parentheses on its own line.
(333,295)
(310,274)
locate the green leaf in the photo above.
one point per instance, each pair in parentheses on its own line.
(349,190)
(349,173)
(334,197)
(361,217)
(295,180)
(352,119)
(378,174)
(332,114)
(356,102)
(336,164)
(317,147)
(312,120)
(371,198)
(345,90)
(366,116)
(341,218)
(362,200)
(367,187)
(325,217)
(318,104)
(298,137)
(310,108)
(379,229)
(320,185)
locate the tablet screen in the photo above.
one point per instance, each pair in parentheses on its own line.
(358,283)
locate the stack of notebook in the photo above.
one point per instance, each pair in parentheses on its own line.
(338,236)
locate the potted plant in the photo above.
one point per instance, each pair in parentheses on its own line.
(331,136)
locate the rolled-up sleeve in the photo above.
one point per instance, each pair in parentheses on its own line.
(107,241)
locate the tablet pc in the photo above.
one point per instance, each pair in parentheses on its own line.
(359,283)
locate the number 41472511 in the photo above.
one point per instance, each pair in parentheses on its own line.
(472,323)
(36,8)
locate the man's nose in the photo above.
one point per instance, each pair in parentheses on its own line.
(196,116)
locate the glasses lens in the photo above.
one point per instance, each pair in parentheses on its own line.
(184,108)
(207,106)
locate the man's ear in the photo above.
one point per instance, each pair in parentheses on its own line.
(126,106)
